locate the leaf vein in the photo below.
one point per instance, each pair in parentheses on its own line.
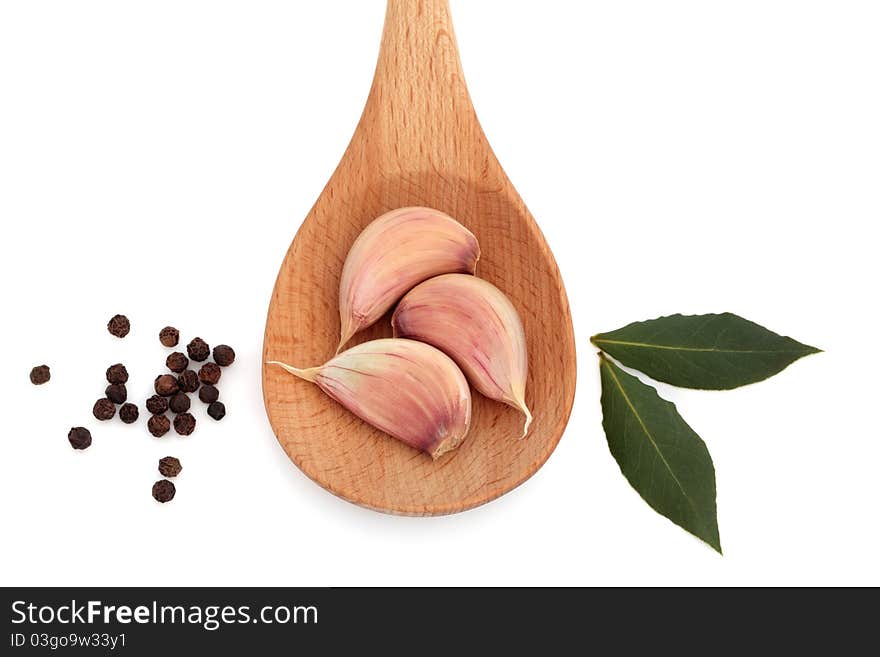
(650,437)
(624,343)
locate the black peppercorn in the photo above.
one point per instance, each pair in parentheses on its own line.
(157,405)
(169,336)
(217,410)
(119,326)
(128,413)
(209,374)
(223,355)
(188,381)
(184,424)
(179,403)
(40,374)
(79,437)
(209,394)
(166,385)
(104,409)
(117,374)
(176,362)
(163,491)
(158,425)
(198,350)
(169,466)
(116,393)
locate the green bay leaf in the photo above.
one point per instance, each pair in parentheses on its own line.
(660,455)
(709,352)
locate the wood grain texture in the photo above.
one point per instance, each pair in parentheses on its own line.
(418,143)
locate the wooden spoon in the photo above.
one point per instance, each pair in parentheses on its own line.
(418,142)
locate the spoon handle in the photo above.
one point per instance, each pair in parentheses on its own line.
(418,100)
(418,73)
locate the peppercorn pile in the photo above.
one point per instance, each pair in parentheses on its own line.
(116,394)
(172,390)
(173,396)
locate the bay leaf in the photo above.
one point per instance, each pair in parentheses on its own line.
(660,455)
(709,352)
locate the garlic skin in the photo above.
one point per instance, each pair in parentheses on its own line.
(476,325)
(408,389)
(395,252)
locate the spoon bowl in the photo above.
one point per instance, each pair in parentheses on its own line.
(418,143)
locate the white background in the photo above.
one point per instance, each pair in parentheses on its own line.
(156,158)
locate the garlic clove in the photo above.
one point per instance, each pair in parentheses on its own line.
(476,325)
(392,254)
(408,389)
